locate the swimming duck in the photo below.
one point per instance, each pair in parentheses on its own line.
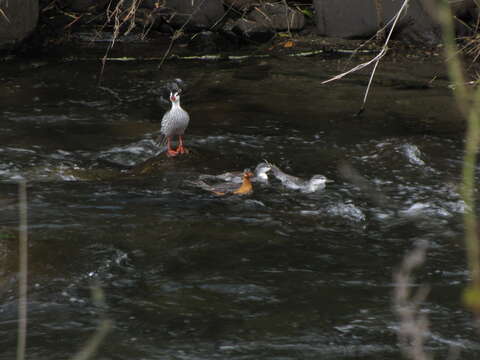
(229,187)
(174,122)
(317,182)
(260,175)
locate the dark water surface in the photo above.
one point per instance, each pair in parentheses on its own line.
(278,274)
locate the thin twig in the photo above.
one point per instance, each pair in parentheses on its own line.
(23,271)
(375,60)
(90,348)
(72,22)
(4,16)
(414,325)
(379,9)
(469,103)
(116,15)
(286,18)
(92,345)
(49,6)
(223,16)
(371,39)
(454,65)
(177,34)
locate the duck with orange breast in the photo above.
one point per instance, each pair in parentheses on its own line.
(228,188)
(260,175)
(174,123)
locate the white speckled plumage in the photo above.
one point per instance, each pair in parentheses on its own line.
(175,120)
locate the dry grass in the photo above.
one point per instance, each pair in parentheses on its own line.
(89,349)
(470,45)
(468,100)
(22,271)
(413,324)
(120,15)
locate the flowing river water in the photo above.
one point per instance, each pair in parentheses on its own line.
(186,274)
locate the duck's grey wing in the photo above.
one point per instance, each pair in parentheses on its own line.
(200,184)
(235,177)
(224,188)
(219,189)
(275,170)
(161,139)
(287,180)
(162,136)
(280,175)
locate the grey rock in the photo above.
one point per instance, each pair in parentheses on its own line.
(198,13)
(248,27)
(277,16)
(208,42)
(22,20)
(241,5)
(359,19)
(270,17)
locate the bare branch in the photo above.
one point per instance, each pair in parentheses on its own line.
(376,59)
(413,329)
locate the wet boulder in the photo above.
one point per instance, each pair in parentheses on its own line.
(196,14)
(269,18)
(18,21)
(361,19)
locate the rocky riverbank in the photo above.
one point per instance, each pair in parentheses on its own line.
(215,27)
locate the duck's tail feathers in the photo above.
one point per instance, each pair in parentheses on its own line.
(161,140)
(200,184)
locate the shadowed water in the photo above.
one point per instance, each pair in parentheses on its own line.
(278,274)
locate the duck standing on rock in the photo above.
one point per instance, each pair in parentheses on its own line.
(317,182)
(174,123)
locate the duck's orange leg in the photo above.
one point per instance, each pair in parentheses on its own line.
(181,149)
(170,151)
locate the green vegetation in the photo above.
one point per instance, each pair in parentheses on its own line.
(468,100)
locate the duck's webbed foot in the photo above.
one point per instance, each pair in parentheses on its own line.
(181,149)
(170,151)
